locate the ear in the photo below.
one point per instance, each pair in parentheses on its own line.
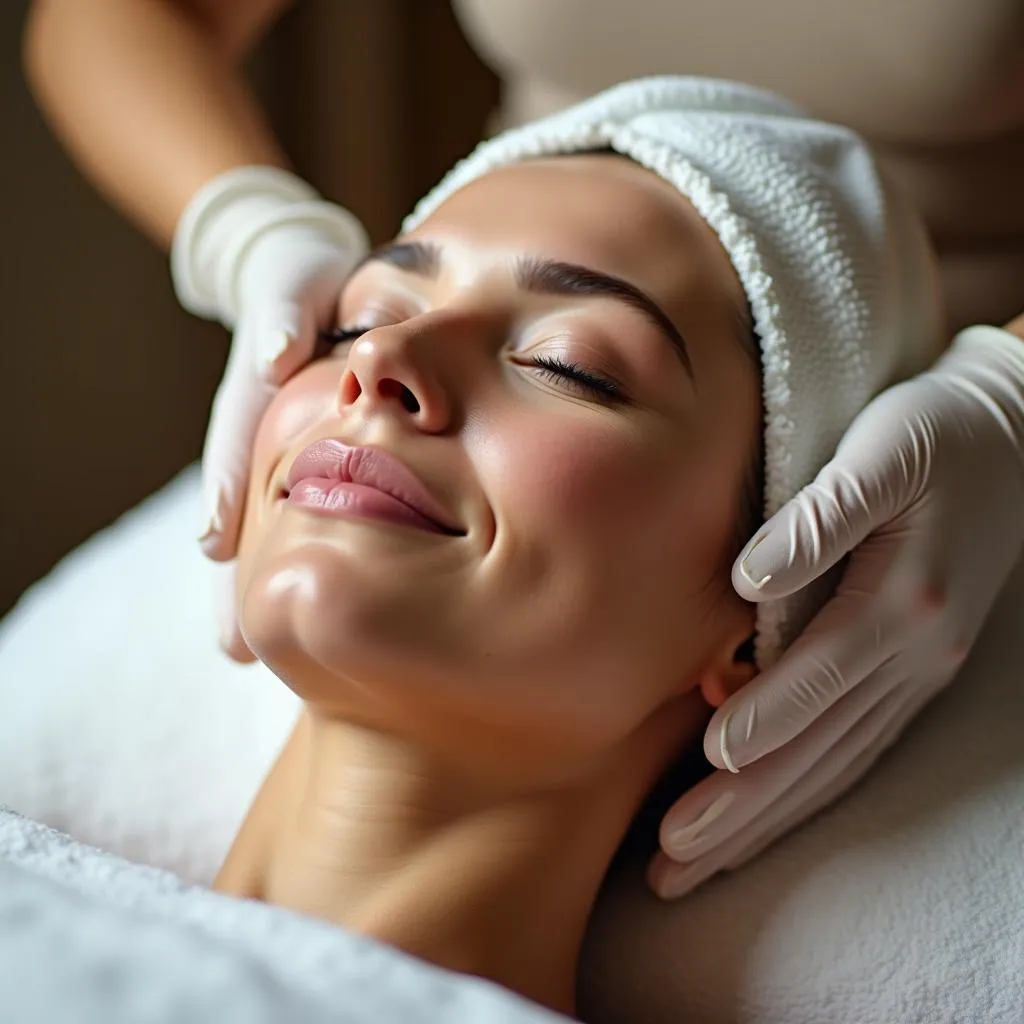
(723,677)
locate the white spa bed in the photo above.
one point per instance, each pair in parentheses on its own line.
(122,726)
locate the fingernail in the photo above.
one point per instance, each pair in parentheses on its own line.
(225,607)
(226,637)
(213,526)
(755,566)
(723,740)
(675,883)
(277,345)
(684,838)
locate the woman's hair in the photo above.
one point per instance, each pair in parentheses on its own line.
(751,510)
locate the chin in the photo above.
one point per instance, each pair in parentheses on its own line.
(331,629)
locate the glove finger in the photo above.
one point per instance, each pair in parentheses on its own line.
(814,791)
(889,600)
(853,495)
(285,340)
(669,880)
(226,606)
(832,775)
(238,407)
(723,804)
(845,643)
(807,799)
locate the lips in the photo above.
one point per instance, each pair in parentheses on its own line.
(319,475)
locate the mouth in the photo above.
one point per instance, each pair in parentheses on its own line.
(333,478)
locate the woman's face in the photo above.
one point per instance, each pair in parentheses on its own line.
(585,445)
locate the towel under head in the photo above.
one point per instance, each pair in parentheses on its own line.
(837,269)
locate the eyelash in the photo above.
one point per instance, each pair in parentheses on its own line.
(554,366)
(550,366)
(327,340)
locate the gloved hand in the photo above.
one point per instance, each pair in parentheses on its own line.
(257,249)
(927,491)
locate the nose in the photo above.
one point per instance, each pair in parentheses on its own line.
(388,371)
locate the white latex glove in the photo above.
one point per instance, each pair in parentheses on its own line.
(258,250)
(927,491)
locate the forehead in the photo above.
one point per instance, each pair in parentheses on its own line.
(598,210)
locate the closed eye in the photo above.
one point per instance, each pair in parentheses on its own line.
(564,370)
(553,367)
(327,341)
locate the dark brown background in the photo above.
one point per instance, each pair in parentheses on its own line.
(105,381)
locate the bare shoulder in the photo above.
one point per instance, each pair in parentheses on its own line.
(244,870)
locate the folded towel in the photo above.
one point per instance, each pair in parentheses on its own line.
(86,937)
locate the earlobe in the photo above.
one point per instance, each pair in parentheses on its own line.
(712,688)
(719,682)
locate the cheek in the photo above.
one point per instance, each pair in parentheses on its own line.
(304,400)
(301,403)
(573,473)
(586,504)
(605,521)
(592,576)
(583,482)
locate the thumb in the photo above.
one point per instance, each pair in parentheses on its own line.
(232,642)
(285,340)
(238,407)
(812,532)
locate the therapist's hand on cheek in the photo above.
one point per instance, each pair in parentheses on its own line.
(259,250)
(926,496)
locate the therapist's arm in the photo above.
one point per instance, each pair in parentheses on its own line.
(147,97)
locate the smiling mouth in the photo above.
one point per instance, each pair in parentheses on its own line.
(334,479)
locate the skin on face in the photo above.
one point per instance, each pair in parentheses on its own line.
(589,586)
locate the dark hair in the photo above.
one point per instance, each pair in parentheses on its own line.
(752,496)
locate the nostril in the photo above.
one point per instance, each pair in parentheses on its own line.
(350,389)
(390,388)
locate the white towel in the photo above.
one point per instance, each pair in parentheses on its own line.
(86,937)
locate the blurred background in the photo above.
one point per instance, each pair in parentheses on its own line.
(106,383)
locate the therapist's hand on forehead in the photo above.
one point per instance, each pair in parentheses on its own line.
(925,494)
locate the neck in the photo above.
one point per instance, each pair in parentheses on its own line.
(491,881)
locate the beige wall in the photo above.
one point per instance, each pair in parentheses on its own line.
(105,382)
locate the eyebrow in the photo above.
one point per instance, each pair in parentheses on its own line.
(546,277)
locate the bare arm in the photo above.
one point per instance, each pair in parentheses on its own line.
(147,98)
(1016,326)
